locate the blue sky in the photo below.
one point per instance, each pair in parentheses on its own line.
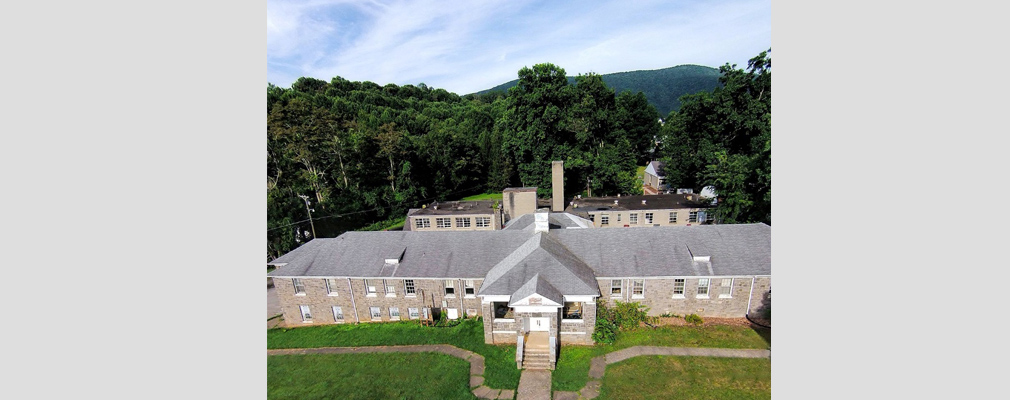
(468,46)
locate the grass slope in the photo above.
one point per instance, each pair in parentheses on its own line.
(664,377)
(499,360)
(572,370)
(368,376)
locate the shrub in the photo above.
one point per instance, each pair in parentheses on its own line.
(605,331)
(693,319)
(669,315)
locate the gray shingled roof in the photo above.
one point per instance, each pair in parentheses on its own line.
(737,249)
(546,256)
(560,220)
(537,285)
(568,259)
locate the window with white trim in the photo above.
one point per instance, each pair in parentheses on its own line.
(463,222)
(483,222)
(615,288)
(678,288)
(338,314)
(673,217)
(376,312)
(468,287)
(408,285)
(502,310)
(638,288)
(692,216)
(390,285)
(299,286)
(331,287)
(709,217)
(648,218)
(370,288)
(572,310)
(306,315)
(412,312)
(450,288)
(422,222)
(703,287)
(443,222)
(394,312)
(726,288)
(604,219)
(633,218)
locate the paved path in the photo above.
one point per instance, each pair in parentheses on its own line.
(534,384)
(476,362)
(598,365)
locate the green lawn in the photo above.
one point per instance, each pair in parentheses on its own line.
(485,196)
(368,376)
(572,370)
(499,360)
(664,377)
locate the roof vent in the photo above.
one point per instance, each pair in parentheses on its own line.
(540,222)
(643,201)
(615,202)
(689,197)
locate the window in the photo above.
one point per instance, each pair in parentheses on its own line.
(390,287)
(618,217)
(463,222)
(483,222)
(502,310)
(633,218)
(710,217)
(409,287)
(648,218)
(703,288)
(615,288)
(592,218)
(443,222)
(678,288)
(572,310)
(369,288)
(412,312)
(468,287)
(394,312)
(692,216)
(450,290)
(306,315)
(726,288)
(331,287)
(604,219)
(638,288)
(299,287)
(673,217)
(376,313)
(422,222)
(338,314)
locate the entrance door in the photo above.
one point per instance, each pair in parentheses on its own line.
(540,324)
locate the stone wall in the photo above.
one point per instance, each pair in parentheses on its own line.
(658,296)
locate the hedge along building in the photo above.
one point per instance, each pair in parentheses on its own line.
(535,284)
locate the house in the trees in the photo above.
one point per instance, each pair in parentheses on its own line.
(536,283)
(644,210)
(475,215)
(654,178)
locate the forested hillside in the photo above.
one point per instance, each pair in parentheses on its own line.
(663,87)
(356,153)
(363,153)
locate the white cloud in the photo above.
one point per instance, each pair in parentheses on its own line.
(464,47)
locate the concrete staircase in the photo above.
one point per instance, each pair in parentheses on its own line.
(537,353)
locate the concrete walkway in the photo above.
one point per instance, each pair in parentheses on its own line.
(476,363)
(534,384)
(598,365)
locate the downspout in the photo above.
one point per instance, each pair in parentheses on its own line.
(750,296)
(354,306)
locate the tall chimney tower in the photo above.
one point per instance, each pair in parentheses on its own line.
(557,186)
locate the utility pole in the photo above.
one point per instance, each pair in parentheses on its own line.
(309,210)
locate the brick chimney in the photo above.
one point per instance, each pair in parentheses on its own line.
(557,186)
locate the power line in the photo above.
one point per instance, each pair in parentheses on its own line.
(362,211)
